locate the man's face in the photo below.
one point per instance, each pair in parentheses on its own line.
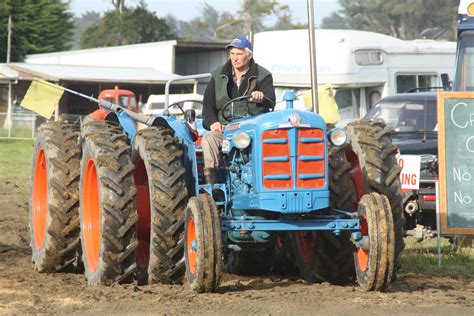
(239,58)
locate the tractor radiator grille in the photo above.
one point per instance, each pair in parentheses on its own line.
(279,162)
(310,159)
(276,164)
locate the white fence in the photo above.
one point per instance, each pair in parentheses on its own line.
(18,125)
(24,125)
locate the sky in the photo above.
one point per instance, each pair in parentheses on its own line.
(187,9)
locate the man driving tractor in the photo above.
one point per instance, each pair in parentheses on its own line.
(239,76)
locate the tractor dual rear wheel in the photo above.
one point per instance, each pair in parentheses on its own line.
(203,244)
(374,260)
(107,209)
(374,169)
(54,214)
(161,202)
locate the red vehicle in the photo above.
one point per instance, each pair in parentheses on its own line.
(123,98)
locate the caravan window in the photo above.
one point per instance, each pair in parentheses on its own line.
(368,57)
(420,82)
(348,102)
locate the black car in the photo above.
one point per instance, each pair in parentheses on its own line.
(412,118)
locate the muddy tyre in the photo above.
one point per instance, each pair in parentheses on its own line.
(374,258)
(203,245)
(107,209)
(374,169)
(322,256)
(161,202)
(54,213)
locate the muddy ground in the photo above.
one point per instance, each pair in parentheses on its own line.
(23,291)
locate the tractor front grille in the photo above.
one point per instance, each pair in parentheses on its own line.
(285,166)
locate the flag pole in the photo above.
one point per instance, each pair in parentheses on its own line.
(106,104)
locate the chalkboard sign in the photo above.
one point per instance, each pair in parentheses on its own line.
(456,162)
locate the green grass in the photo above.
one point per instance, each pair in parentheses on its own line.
(15,160)
(423,258)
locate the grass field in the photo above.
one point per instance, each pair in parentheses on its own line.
(15,166)
(15,160)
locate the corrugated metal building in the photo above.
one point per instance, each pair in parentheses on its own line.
(142,68)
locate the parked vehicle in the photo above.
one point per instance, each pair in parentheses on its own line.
(120,97)
(362,67)
(178,104)
(412,118)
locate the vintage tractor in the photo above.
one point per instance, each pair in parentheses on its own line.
(133,204)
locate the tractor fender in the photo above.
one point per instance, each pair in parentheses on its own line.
(126,122)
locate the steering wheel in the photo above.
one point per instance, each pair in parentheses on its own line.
(247,113)
(179,104)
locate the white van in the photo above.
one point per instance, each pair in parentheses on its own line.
(156,104)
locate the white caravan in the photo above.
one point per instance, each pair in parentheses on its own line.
(362,67)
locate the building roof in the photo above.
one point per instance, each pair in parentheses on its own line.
(7,74)
(91,73)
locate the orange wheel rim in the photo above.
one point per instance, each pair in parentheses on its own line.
(363,255)
(192,246)
(362,259)
(91,215)
(40,199)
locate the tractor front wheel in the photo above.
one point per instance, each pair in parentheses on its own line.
(203,244)
(373,168)
(375,252)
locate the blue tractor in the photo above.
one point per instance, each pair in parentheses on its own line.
(292,194)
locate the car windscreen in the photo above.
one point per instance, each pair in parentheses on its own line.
(405,115)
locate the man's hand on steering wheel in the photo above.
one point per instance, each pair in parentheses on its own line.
(256,96)
(226,107)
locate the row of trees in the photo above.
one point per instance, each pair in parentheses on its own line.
(41,26)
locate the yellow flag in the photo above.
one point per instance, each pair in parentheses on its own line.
(42,97)
(327,104)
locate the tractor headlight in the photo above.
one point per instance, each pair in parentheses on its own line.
(241,140)
(337,137)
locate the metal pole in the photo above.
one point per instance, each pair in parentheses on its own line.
(9,38)
(9,108)
(312,56)
(438,222)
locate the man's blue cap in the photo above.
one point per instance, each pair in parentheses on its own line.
(240,42)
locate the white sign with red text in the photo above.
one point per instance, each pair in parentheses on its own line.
(410,175)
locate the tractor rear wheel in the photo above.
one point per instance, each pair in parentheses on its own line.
(374,258)
(54,213)
(161,202)
(107,209)
(203,244)
(374,169)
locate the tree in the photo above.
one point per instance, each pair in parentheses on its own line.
(404,19)
(129,27)
(81,24)
(119,5)
(39,26)
(223,25)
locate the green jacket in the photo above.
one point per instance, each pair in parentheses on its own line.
(222,88)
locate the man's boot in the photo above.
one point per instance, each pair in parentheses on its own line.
(210,175)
